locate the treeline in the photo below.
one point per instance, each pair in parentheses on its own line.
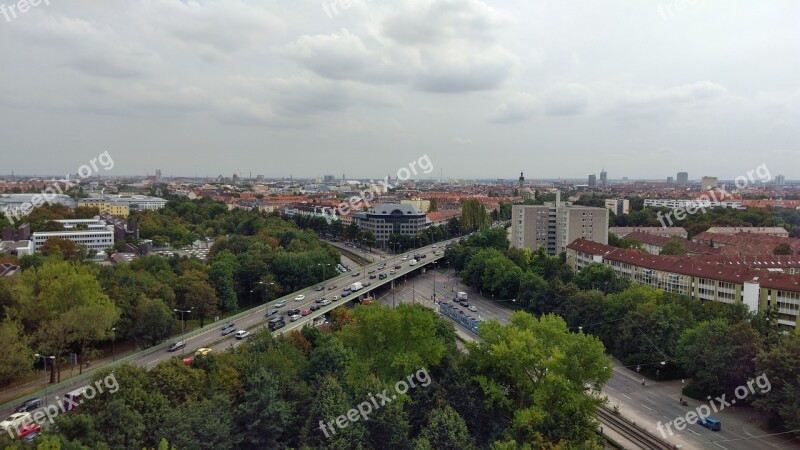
(716,346)
(522,387)
(60,305)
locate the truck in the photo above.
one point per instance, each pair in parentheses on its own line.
(356,286)
(461,296)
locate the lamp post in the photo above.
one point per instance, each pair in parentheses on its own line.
(113,338)
(265,290)
(183,328)
(45,358)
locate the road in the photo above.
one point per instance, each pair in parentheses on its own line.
(255,320)
(646,405)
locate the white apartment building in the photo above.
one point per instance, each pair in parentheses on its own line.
(689,204)
(98,240)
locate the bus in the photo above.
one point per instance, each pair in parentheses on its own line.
(276,323)
(710,423)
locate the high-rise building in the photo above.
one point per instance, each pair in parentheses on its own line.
(592,180)
(556,225)
(618,205)
(708,183)
(779,180)
(670,180)
(683,178)
(603,178)
(158,174)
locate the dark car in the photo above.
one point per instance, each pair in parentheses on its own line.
(424,256)
(320,288)
(228,325)
(176,346)
(398,266)
(30,405)
(332,287)
(372,277)
(272,312)
(293,312)
(229,330)
(355,274)
(345,293)
(367,284)
(315,307)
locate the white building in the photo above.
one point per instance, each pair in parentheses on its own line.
(98,240)
(689,204)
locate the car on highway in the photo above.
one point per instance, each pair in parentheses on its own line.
(392,272)
(300,298)
(373,276)
(319,300)
(405,257)
(205,351)
(305,312)
(29,430)
(229,330)
(293,311)
(367,284)
(228,325)
(294,317)
(241,334)
(434,245)
(382,276)
(345,293)
(276,323)
(315,307)
(320,288)
(356,274)
(472,308)
(371,271)
(382,266)
(325,303)
(335,298)
(176,346)
(332,287)
(398,266)
(30,405)
(280,304)
(423,256)
(271,312)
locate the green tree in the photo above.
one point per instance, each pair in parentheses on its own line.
(674,247)
(264,417)
(600,277)
(782,249)
(446,430)
(221,276)
(205,425)
(154,321)
(778,388)
(18,359)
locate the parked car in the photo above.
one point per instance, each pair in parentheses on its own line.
(203,351)
(294,317)
(30,405)
(305,312)
(15,420)
(392,272)
(294,311)
(280,304)
(29,430)
(472,308)
(176,346)
(241,334)
(300,298)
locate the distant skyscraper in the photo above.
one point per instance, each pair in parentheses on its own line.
(670,180)
(592,180)
(683,178)
(603,178)
(779,180)
(158,174)
(708,183)
(235,179)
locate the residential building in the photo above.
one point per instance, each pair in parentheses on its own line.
(603,178)
(115,204)
(391,218)
(419,203)
(682,178)
(555,225)
(692,204)
(618,206)
(670,180)
(679,232)
(769,231)
(654,244)
(699,277)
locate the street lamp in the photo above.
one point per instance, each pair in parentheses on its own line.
(45,358)
(265,290)
(113,338)
(183,329)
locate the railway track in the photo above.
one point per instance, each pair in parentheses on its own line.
(635,434)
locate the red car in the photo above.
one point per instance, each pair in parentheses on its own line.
(305,312)
(187,361)
(330,288)
(29,429)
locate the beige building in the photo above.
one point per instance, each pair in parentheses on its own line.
(708,183)
(618,206)
(113,208)
(556,225)
(419,203)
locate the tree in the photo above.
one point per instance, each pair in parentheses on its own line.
(18,358)
(264,416)
(65,248)
(154,321)
(782,249)
(205,425)
(674,247)
(221,276)
(446,430)
(600,277)
(778,397)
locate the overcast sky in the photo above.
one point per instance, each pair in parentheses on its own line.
(640,88)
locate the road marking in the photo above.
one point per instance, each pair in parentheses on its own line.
(609,387)
(647,407)
(629,398)
(695,432)
(726,448)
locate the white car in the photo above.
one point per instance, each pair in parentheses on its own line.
(15,420)
(325,302)
(294,317)
(434,245)
(405,258)
(280,304)
(300,298)
(472,308)
(241,334)
(336,297)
